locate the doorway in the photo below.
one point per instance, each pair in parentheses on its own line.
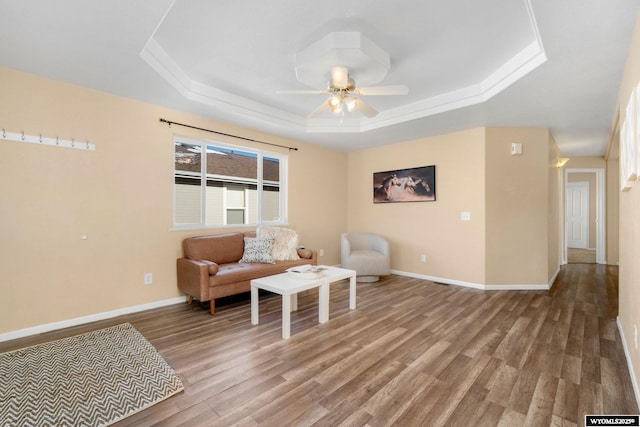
(584,239)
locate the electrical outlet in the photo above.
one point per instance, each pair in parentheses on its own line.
(148,278)
(321,252)
(423,258)
(465,216)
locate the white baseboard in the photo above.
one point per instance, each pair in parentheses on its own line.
(21,333)
(554,277)
(632,373)
(506,287)
(438,279)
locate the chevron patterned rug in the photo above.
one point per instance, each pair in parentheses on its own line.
(93,379)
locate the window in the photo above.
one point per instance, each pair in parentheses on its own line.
(217,185)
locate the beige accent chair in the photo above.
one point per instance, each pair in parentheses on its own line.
(367,254)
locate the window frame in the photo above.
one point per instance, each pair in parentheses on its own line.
(260,183)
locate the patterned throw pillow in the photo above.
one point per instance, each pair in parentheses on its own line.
(258,249)
(285,244)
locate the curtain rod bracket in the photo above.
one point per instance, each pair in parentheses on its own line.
(168,122)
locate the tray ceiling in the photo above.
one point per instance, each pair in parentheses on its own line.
(466,63)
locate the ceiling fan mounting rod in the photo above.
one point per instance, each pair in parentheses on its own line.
(350,86)
(339,92)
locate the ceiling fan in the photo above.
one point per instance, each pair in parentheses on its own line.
(344,95)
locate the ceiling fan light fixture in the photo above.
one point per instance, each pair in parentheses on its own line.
(350,103)
(335,104)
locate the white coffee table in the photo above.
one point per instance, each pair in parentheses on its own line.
(288,286)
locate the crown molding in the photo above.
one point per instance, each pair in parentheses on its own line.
(514,69)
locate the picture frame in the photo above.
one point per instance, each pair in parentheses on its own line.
(405,185)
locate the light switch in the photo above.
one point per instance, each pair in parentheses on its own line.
(465,216)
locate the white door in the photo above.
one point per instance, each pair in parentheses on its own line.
(578,215)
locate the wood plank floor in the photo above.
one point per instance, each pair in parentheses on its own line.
(581,256)
(413,353)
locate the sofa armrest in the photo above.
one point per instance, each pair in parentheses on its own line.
(345,249)
(380,244)
(193,277)
(213,267)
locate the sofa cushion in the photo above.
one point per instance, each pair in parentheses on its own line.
(221,248)
(258,249)
(285,242)
(232,273)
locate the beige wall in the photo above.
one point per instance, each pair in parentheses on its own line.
(513,201)
(585,163)
(120,196)
(454,249)
(555,212)
(629,273)
(520,202)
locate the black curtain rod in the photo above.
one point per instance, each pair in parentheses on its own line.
(225,134)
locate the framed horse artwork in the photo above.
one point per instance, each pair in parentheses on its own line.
(405,185)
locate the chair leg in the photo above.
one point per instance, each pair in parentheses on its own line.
(212,307)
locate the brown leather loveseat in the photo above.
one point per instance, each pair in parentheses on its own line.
(211,266)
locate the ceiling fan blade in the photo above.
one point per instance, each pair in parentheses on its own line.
(321,108)
(383,90)
(365,109)
(340,77)
(300,92)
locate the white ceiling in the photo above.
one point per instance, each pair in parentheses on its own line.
(467,63)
